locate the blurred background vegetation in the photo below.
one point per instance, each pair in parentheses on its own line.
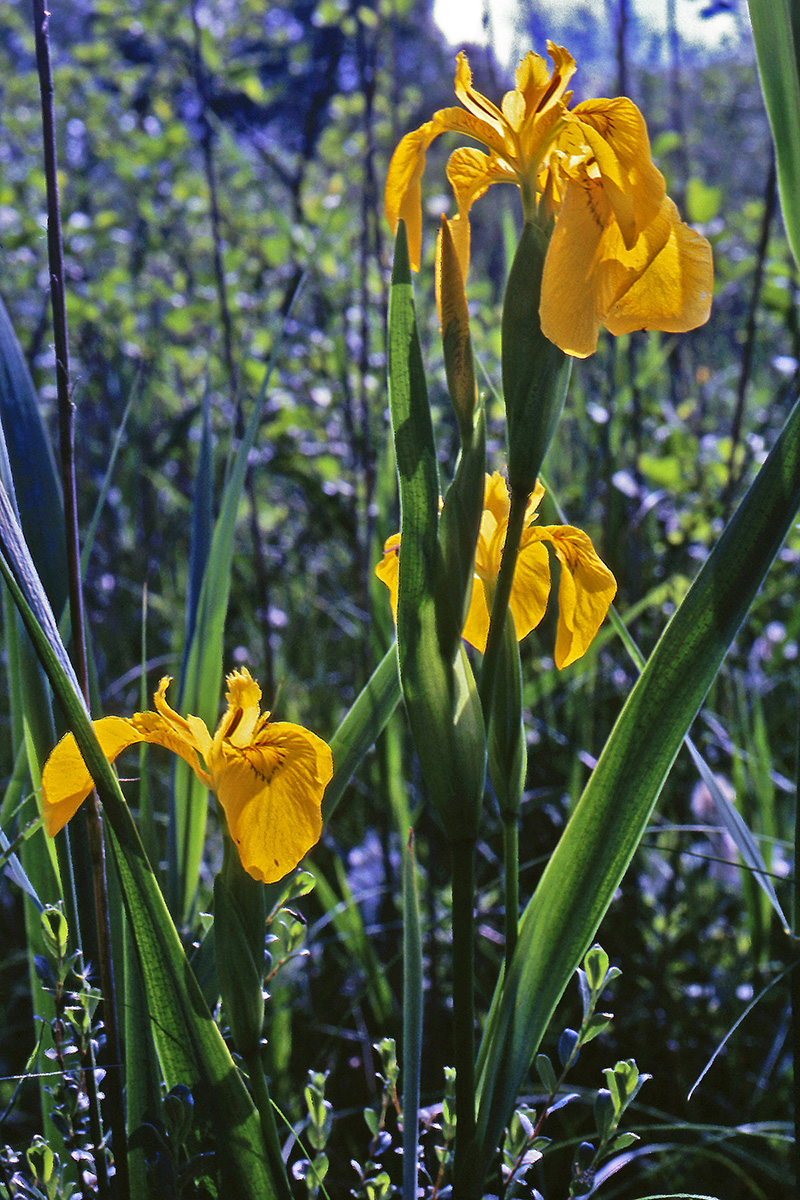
(222,168)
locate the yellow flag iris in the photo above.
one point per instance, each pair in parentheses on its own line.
(585,590)
(269,777)
(618,256)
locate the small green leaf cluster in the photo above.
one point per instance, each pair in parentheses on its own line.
(374,1179)
(624,1082)
(43,1179)
(286,928)
(75,1037)
(71,1036)
(317,1131)
(524,1144)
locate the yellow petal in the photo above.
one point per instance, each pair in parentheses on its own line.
(530,588)
(585,591)
(471,172)
(455,120)
(388,569)
(533,80)
(476,626)
(537,88)
(568,306)
(187,737)
(403,195)
(617,134)
(674,291)
(66,781)
(153,728)
(190,730)
(474,100)
(238,724)
(589,270)
(271,793)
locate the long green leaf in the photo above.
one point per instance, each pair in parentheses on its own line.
(190,1047)
(776,32)
(596,847)
(30,457)
(361,727)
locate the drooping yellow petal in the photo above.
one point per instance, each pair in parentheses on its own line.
(155,729)
(568,307)
(530,587)
(476,626)
(585,591)
(588,267)
(403,195)
(617,134)
(675,290)
(66,781)
(271,793)
(590,169)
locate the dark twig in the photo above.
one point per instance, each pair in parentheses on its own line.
(66,417)
(748,349)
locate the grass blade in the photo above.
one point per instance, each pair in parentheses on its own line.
(361,727)
(776,33)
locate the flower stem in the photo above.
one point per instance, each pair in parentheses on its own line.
(502,592)
(511,884)
(463,864)
(269,1130)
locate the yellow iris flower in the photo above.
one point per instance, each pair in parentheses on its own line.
(618,256)
(269,778)
(585,590)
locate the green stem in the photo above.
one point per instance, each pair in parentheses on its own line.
(463,863)
(269,1130)
(511,884)
(502,592)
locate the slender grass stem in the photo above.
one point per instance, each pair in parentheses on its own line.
(66,417)
(463,864)
(269,1130)
(505,577)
